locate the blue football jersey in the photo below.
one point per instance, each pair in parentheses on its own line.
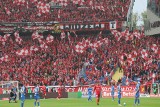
(23,93)
(137,88)
(119,89)
(90,91)
(36,91)
(112,89)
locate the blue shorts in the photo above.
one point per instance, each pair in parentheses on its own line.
(112,93)
(89,95)
(119,96)
(22,98)
(137,95)
(15,95)
(36,97)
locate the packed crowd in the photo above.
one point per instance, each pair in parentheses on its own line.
(82,58)
(63,10)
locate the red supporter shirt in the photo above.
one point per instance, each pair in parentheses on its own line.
(59,90)
(44,89)
(97,89)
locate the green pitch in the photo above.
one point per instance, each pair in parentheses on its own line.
(82,102)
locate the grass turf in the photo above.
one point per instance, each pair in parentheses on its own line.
(82,102)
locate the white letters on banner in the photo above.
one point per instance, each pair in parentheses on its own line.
(113,25)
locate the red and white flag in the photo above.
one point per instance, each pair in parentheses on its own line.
(23,52)
(34,1)
(129,37)
(7,11)
(35,35)
(80,47)
(6,36)
(18,39)
(154,47)
(90,2)
(34,49)
(19,2)
(130,59)
(125,33)
(5,58)
(116,34)
(122,58)
(86,43)
(144,54)
(43,8)
(43,45)
(49,39)
(134,53)
(149,61)
(105,41)
(137,34)
(100,7)
(97,44)
(4,39)
(63,35)
(79,2)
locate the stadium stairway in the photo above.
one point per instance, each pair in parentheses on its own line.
(117,75)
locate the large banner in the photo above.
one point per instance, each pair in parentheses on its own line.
(127,91)
(91,26)
(54,27)
(74,26)
(7,29)
(83,26)
(58,27)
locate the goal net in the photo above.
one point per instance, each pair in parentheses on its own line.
(6,86)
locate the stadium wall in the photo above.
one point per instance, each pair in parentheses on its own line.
(130,10)
(82,92)
(152,24)
(74,94)
(31,95)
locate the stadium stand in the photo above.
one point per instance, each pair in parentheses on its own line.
(64,59)
(63,10)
